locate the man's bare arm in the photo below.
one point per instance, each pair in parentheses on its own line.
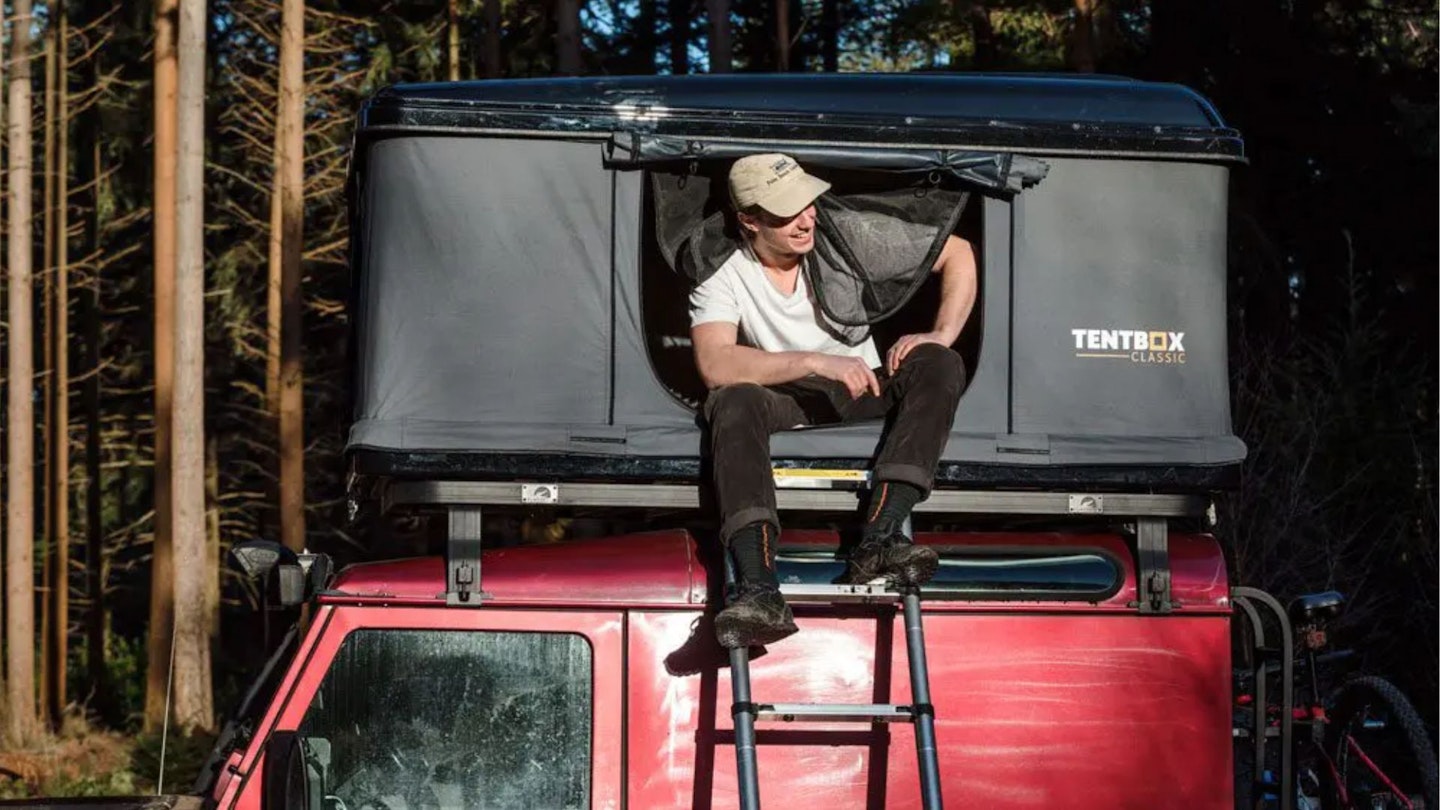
(958,286)
(721,360)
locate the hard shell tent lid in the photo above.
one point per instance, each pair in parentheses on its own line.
(506,284)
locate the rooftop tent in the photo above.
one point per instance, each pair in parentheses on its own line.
(502,250)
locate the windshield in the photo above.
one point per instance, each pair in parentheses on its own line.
(494,720)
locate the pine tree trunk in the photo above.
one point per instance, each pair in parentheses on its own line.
(94,490)
(567,37)
(193,700)
(46,372)
(830,35)
(983,31)
(494,59)
(679,13)
(20,707)
(1082,56)
(60,372)
(290,190)
(162,568)
(61,430)
(782,35)
(645,38)
(721,46)
(453,30)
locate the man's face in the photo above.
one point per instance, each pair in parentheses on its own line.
(781,237)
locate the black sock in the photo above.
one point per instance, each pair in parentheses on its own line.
(890,505)
(753,550)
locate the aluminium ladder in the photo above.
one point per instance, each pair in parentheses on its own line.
(921,712)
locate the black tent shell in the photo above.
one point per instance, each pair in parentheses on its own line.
(499,231)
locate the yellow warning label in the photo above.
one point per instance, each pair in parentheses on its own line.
(830,475)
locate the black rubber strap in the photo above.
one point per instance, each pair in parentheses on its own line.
(926,709)
(737,709)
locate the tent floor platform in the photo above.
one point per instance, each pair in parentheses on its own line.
(577,468)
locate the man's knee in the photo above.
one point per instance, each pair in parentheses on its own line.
(939,366)
(738,402)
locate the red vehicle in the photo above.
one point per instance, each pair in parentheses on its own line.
(588,678)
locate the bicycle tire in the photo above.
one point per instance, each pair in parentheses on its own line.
(1409,751)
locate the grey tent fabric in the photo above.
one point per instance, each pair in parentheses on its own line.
(486,279)
(503,296)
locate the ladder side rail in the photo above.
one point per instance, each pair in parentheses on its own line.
(924,710)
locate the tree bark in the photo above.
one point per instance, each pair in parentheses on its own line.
(453,32)
(830,35)
(290,190)
(98,675)
(20,707)
(722,49)
(567,37)
(60,372)
(1082,37)
(162,568)
(645,38)
(679,13)
(494,60)
(46,371)
(782,35)
(983,31)
(193,701)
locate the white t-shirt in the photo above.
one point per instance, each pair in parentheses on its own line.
(740,293)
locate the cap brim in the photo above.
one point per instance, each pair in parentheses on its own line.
(795,197)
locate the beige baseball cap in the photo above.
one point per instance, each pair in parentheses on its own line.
(775,182)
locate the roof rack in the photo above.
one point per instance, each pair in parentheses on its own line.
(1147,517)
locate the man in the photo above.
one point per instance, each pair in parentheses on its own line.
(772,362)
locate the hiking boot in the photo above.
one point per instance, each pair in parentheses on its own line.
(895,559)
(756,615)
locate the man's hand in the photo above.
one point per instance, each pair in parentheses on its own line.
(852,371)
(906,344)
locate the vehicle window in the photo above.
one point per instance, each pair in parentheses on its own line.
(1049,574)
(409,719)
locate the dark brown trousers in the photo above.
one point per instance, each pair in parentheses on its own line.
(922,394)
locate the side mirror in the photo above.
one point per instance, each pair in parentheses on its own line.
(292,577)
(285,783)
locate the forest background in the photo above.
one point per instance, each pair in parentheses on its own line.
(141,164)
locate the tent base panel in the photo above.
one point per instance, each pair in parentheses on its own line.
(407,465)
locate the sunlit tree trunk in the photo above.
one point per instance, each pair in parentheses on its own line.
(193,700)
(494,59)
(567,37)
(162,568)
(782,35)
(721,47)
(453,34)
(59,488)
(290,190)
(1082,57)
(20,707)
(47,369)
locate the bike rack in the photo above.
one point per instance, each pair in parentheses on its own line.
(1245,598)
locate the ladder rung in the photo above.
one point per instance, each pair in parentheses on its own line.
(873,593)
(836,712)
